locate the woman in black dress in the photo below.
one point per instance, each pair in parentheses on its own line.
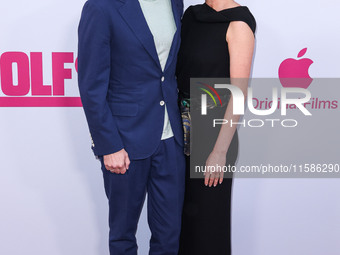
(217,42)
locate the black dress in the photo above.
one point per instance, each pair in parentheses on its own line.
(204,53)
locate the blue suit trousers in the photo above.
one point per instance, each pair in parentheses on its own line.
(162,177)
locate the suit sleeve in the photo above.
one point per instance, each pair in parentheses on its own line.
(93,79)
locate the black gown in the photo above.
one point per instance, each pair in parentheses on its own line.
(204,53)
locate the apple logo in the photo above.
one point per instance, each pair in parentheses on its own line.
(294,72)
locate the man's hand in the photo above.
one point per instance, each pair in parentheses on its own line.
(117,162)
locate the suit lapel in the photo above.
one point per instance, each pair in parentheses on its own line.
(175,40)
(133,15)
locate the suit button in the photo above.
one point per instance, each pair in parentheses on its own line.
(92,142)
(161,103)
(162,79)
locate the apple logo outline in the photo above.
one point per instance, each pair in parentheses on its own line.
(294,73)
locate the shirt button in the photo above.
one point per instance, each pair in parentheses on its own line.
(162,79)
(161,103)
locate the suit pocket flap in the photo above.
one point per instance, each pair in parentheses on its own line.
(124,109)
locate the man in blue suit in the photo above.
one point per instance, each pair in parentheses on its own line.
(127,56)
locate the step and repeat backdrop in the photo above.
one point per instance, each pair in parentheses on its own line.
(52,197)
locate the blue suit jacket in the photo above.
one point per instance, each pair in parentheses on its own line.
(120,79)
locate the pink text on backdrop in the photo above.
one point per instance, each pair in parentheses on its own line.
(30,79)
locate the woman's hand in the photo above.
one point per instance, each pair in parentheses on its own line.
(214,168)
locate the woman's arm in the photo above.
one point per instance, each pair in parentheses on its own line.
(241,42)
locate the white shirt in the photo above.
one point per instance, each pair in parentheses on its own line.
(159,17)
